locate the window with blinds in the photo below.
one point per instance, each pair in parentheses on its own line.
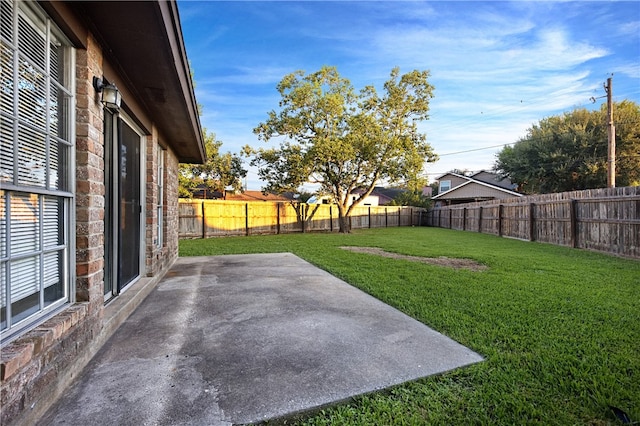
(36,148)
(445,185)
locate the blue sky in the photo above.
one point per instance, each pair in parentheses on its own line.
(497,67)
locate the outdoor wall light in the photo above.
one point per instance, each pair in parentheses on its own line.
(110,95)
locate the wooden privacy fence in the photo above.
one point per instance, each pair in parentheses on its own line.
(605,220)
(218,218)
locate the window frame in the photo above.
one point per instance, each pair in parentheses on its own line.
(441,185)
(160,205)
(56,174)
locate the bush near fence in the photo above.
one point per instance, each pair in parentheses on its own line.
(606,220)
(219,218)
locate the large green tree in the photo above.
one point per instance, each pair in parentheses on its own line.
(219,172)
(345,140)
(569,152)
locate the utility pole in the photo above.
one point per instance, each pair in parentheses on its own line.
(611,133)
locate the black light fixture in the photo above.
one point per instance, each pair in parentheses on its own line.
(110,95)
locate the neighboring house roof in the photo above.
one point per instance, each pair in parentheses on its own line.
(494,179)
(143,40)
(384,195)
(482,176)
(371,198)
(438,178)
(388,192)
(387,195)
(383,199)
(471,188)
(254,196)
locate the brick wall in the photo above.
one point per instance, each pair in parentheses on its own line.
(171,213)
(90,189)
(36,366)
(33,364)
(153,252)
(159,257)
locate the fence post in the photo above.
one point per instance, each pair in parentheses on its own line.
(386,218)
(500,207)
(480,220)
(411,220)
(278,218)
(246,218)
(369,217)
(574,223)
(204,230)
(399,216)
(532,222)
(450,218)
(464,219)
(302,216)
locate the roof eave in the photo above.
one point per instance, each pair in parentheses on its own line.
(143,40)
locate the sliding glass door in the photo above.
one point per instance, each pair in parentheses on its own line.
(123,207)
(130,206)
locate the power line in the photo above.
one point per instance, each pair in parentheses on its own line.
(600,159)
(476,149)
(524,106)
(546,138)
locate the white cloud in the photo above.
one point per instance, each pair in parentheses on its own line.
(631,70)
(552,50)
(629,28)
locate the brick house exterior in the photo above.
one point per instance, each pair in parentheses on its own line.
(88,194)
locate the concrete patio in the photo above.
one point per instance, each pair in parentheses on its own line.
(246,338)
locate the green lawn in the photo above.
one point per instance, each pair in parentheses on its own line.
(559,328)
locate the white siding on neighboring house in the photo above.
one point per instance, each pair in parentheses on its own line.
(474,190)
(371,200)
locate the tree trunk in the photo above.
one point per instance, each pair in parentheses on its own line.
(343,217)
(345,224)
